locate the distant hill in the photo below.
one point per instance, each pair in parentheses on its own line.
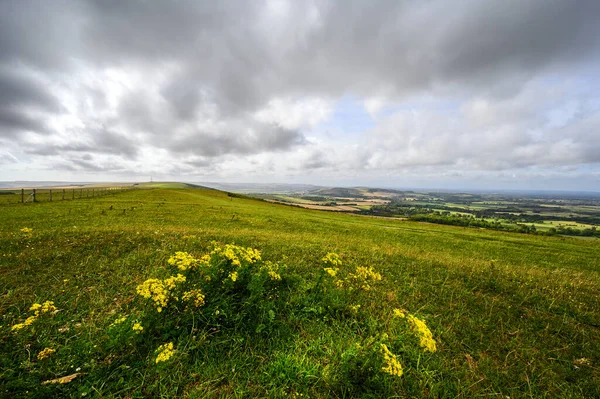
(339,192)
(247,188)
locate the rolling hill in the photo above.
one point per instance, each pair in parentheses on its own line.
(511,315)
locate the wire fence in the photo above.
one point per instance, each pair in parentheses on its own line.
(32,195)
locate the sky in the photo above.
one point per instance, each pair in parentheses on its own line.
(439,94)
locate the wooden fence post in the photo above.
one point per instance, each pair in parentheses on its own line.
(34,195)
(63,194)
(22,196)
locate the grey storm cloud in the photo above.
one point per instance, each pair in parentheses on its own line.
(86,164)
(199,71)
(250,141)
(100,141)
(21,97)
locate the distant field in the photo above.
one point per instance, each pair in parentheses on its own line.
(556,223)
(335,204)
(512,315)
(295,200)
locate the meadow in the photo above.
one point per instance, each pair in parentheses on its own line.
(308,315)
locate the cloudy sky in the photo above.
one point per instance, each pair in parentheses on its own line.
(446,94)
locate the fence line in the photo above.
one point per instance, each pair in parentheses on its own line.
(25,196)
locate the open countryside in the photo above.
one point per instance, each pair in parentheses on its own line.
(567,213)
(323,199)
(508,314)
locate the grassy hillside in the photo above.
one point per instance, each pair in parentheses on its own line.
(512,315)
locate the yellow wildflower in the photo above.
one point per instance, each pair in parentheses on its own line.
(195,295)
(332,271)
(398,313)
(182,260)
(38,309)
(274,275)
(154,289)
(392,365)
(332,259)
(426,338)
(235,254)
(137,327)
(233,276)
(165,352)
(44,354)
(35,307)
(204,260)
(118,321)
(27,232)
(172,281)
(250,255)
(48,306)
(362,276)
(272,270)
(29,321)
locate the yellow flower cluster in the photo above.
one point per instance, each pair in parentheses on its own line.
(137,327)
(182,260)
(274,275)
(272,270)
(27,232)
(236,254)
(118,321)
(154,289)
(362,277)
(332,259)
(397,313)
(196,296)
(44,354)
(164,352)
(332,271)
(233,276)
(426,338)
(204,260)
(172,281)
(45,307)
(28,321)
(38,310)
(392,365)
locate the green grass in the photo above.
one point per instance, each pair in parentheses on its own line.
(513,314)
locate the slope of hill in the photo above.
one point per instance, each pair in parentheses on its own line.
(511,315)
